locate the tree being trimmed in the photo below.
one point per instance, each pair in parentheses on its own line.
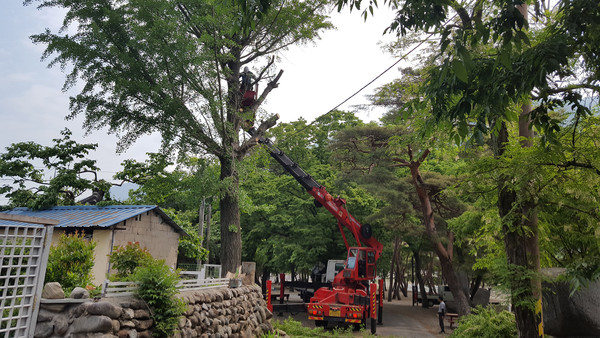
(173,68)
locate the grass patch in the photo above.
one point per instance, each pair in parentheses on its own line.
(294,328)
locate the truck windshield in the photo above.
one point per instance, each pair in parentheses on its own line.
(351,258)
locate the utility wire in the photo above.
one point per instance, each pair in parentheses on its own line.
(375,79)
(365,86)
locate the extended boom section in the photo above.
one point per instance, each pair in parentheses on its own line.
(336,206)
(351,297)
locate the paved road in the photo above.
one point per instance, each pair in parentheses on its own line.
(400,319)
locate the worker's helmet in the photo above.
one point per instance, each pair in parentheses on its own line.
(246,70)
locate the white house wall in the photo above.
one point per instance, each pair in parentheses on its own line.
(103,241)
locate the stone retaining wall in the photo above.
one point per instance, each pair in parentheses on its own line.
(220,312)
(225,312)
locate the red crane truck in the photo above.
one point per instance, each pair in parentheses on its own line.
(351,299)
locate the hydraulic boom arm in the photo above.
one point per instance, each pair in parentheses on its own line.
(336,206)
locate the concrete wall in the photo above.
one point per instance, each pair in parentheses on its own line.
(151,232)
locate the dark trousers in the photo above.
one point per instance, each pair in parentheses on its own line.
(441,317)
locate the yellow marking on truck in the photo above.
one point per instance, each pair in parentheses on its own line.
(334,313)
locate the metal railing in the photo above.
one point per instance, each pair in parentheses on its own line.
(208,271)
(197,284)
(123,289)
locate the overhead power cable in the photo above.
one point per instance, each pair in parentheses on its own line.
(363,87)
(374,79)
(377,77)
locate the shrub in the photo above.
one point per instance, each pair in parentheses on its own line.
(158,287)
(70,262)
(294,328)
(486,323)
(125,259)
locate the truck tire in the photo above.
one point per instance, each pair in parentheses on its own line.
(431,303)
(361,325)
(320,323)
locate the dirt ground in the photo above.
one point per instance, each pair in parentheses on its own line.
(400,319)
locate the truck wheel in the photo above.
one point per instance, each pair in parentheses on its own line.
(362,324)
(431,303)
(320,323)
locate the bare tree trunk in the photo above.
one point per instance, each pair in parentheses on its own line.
(475,286)
(201,228)
(397,284)
(404,280)
(515,244)
(266,274)
(397,288)
(429,276)
(448,272)
(422,291)
(231,234)
(392,283)
(208,220)
(521,238)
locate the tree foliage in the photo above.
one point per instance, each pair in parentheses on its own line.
(70,262)
(562,178)
(178,189)
(490,57)
(46,176)
(280,233)
(157,286)
(490,61)
(488,323)
(126,258)
(172,67)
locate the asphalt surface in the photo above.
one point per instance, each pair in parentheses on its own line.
(400,319)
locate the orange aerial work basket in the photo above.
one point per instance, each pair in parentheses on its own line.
(249,98)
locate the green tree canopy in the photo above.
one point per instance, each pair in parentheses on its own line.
(298,234)
(46,176)
(173,68)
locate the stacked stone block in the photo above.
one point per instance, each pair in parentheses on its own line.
(225,312)
(220,312)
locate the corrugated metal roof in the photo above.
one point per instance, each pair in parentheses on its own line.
(88,216)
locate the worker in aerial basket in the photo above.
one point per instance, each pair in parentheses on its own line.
(246,80)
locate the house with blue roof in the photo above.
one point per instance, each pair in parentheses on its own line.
(113,226)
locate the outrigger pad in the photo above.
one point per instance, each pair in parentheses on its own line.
(366,231)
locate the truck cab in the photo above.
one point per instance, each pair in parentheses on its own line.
(360,264)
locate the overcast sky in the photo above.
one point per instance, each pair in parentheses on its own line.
(316,79)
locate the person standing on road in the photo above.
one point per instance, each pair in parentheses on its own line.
(441,313)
